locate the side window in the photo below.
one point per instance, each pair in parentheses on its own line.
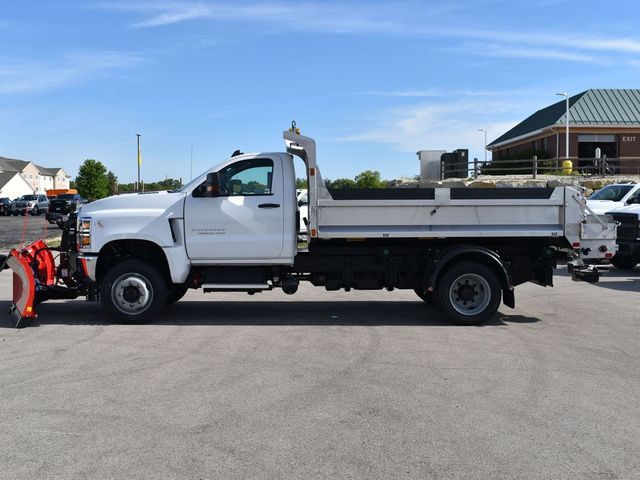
(247,177)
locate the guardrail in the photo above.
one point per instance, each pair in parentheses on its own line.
(536,166)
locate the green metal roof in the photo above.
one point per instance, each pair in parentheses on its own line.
(597,107)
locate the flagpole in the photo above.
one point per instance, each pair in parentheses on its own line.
(138,135)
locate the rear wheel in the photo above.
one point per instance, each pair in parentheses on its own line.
(469,293)
(133,292)
(624,262)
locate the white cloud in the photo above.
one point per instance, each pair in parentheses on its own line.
(438,93)
(380,18)
(555,40)
(23,76)
(326,17)
(495,50)
(446,126)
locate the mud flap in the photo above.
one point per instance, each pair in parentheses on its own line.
(24,289)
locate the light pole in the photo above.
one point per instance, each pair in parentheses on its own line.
(485,143)
(566,140)
(139,160)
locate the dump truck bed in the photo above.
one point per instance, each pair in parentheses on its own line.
(448,212)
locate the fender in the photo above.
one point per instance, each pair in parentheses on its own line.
(455,252)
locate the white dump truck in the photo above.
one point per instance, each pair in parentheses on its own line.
(234,228)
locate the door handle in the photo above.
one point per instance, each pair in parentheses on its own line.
(269,205)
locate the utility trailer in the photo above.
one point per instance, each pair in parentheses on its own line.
(234,228)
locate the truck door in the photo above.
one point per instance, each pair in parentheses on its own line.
(245,222)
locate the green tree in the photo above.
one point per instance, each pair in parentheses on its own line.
(112,183)
(340,183)
(369,179)
(301,183)
(92,181)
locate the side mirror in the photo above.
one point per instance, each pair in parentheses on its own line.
(212,184)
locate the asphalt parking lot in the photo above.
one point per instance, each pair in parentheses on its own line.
(327,385)
(34,228)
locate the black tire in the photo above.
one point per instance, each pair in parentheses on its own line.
(130,283)
(424,295)
(175,293)
(35,211)
(480,299)
(624,262)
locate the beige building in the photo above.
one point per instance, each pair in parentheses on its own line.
(39,178)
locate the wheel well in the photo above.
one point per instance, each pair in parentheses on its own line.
(117,251)
(479,257)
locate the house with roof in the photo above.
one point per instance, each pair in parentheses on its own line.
(39,178)
(608,119)
(13,185)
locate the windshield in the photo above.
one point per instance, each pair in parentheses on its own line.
(29,197)
(613,193)
(66,196)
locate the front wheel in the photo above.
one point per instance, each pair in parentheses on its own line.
(133,292)
(176,292)
(469,293)
(35,211)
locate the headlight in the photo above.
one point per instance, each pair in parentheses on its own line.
(84,232)
(29,205)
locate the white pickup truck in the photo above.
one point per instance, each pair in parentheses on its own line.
(234,228)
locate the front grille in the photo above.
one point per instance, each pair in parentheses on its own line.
(628,229)
(59,206)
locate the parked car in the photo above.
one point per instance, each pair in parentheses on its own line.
(613,196)
(34,204)
(628,238)
(62,206)
(5,206)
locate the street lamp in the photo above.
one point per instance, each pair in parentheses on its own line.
(485,143)
(566,140)
(139,161)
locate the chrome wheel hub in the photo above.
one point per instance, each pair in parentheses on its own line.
(470,294)
(131,294)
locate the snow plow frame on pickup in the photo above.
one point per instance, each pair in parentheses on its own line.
(37,278)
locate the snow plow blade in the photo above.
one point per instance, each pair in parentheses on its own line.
(33,268)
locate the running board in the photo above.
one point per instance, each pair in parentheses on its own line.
(235,287)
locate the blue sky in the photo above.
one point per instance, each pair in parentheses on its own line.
(372,82)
